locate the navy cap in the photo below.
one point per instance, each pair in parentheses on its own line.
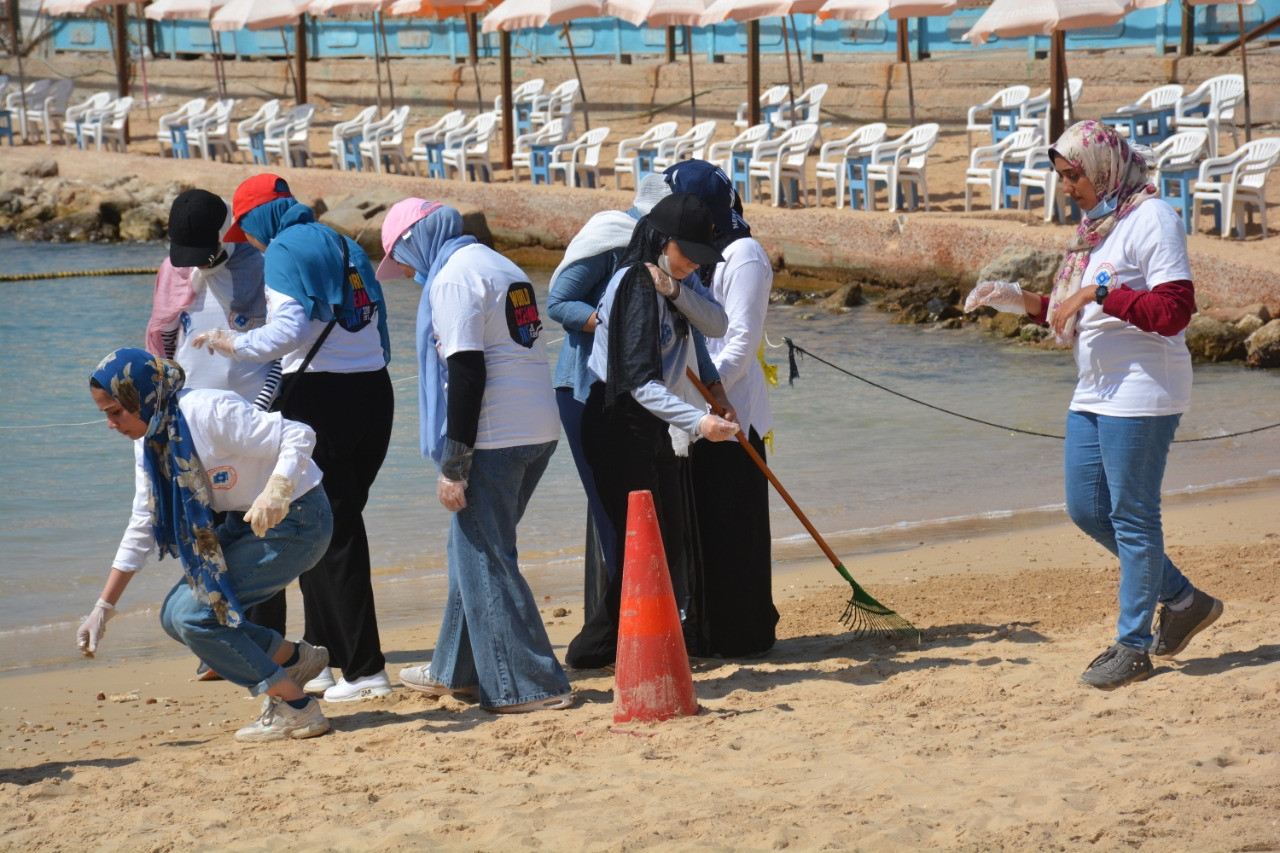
(712,186)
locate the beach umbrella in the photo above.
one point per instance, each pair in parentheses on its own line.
(373,8)
(897,10)
(665,14)
(524,14)
(194,10)
(119,46)
(269,14)
(1013,18)
(442,9)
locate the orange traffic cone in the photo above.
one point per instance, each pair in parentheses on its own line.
(652,680)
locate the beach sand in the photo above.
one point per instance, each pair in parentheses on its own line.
(979,739)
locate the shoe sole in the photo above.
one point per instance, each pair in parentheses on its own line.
(439,690)
(313,730)
(312,687)
(365,693)
(1213,616)
(1142,676)
(555,703)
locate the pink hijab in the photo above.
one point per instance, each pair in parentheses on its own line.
(1118,173)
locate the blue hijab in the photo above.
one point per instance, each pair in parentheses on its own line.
(304,261)
(427,246)
(181,517)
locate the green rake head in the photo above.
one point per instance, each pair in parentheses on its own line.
(866,617)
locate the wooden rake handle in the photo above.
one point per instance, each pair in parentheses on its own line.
(755,457)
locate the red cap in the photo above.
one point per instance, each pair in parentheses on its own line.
(254,192)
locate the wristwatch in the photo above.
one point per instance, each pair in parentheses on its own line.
(1100,293)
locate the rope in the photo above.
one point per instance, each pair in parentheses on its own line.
(37,276)
(793,348)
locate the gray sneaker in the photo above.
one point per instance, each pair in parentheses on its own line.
(280,721)
(1116,667)
(1174,629)
(311,662)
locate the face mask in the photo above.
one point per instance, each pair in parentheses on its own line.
(664,264)
(1103,207)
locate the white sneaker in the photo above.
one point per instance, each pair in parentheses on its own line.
(369,687)
(419,678)
(312,661)
(320,683)
(280,721)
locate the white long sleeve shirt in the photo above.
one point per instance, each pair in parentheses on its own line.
(289,334)
(240,448)
(742,285)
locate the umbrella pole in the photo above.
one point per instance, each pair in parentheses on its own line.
(904,55)
(219,74)
(671,45)
(386,58)
(786,49)
(300,77)
(1244,71)
(586,116)
(122,57)
(753,72)
(473,36)
(693,96)
(142,59)
(377,64)
(1057,80)
(508,108)
(795,36)
(288,66)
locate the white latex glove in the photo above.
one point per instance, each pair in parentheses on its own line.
(1001,295)
(452,493)
(270,507)
(93,627)
(222,341)
(716,428)
(663,282)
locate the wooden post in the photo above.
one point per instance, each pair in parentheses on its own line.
(300,31)
(508,108)
(1244,71)
(122,53)
(1187,44)
(671,45)
(753,73)
(473,38)
(1057,82)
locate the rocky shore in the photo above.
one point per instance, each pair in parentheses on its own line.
(38,202)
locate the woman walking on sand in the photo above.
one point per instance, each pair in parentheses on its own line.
(1122,299)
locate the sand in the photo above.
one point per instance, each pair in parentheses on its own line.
(979,739)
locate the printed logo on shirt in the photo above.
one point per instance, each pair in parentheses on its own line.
(1105,276)
(665,334)
(239,322)
(184,319)
(222,478)
(359,299)
(523,323)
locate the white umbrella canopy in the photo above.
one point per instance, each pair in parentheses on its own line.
(79,7)
(193,10)
(527,14)
(258,14)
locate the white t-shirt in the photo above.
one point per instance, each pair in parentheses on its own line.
(742,285)
(211,309)
(240,447)
(289,334)
(482,302)
(1124,371)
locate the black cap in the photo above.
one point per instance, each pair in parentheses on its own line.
(684,218)
(195,222)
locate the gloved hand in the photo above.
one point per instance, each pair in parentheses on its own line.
(716,428)
(221,341)
(270,507)
(452,493)
(1001,295)
(93,627)
(663,282)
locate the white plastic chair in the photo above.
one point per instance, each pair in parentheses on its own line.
(343,155)
(178,118)
(288,137)
(554,132)
(383,143)
(987,164)
(1034,112)
(625,162)
(466,150)
(1179,152)
(1009,98)
(580,159)
(1242,180)
(425,140)
(4,84)
(558,104)
(254,124)
(1211,106)
(833,156)
(771,100)
(901,163)
(523,93)
(1154,99)
(694,143)
(1037,173)
(77,114)
(721,153)
(209,133)
(50,111)
(16,103)
(805,109)
(108,125)
(783,159)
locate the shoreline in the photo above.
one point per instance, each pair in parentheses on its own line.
(980,739)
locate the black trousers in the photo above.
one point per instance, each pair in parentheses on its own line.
(629,449)
(351,414)
(732,498)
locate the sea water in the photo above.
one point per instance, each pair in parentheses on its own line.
(873,471)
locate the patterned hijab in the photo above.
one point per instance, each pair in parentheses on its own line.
(1119,174)
(181,517)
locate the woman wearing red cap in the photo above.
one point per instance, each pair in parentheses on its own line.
(327,323)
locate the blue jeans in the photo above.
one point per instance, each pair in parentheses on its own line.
(492,634)
(1114,468)
(259,568)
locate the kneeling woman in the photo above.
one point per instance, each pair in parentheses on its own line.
(204,451)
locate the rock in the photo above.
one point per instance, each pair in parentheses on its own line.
(846,297)
(1005,325)
(1263,346)
(42,169)
(784,296)
(911,315)
(1249,323)
(143,224)
(936,291)
(85,227)
(360,217)
(1034,269)
(1235,315)
(1032,332)
(1213,340)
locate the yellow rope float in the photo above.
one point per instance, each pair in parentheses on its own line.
(36,276)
